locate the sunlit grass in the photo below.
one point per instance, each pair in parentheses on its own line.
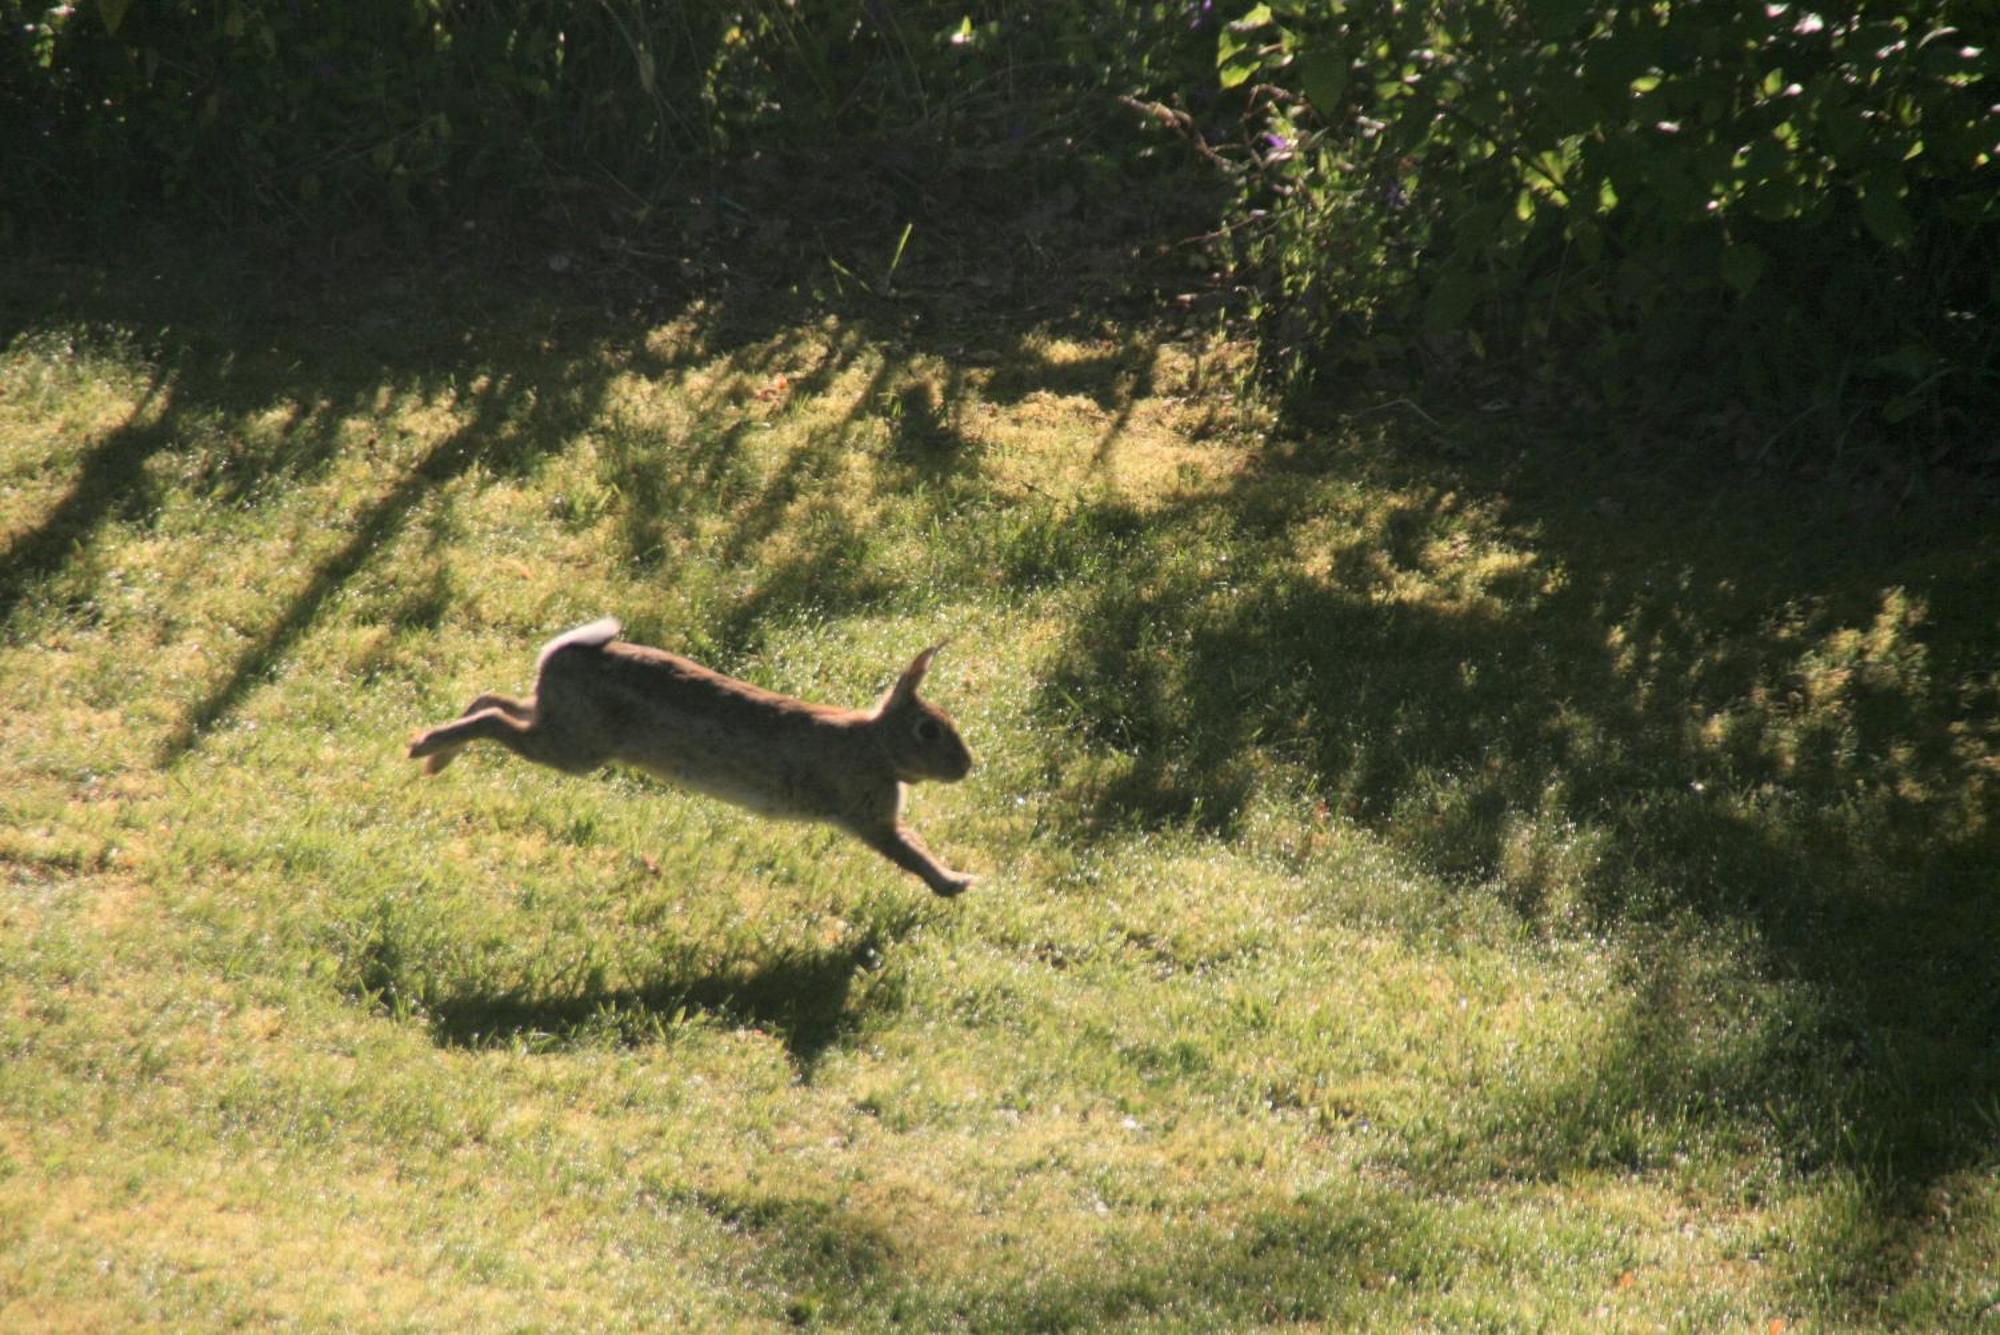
(1416,890)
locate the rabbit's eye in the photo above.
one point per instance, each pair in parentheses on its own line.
(928,730)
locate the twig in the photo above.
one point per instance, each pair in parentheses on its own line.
(1182,124)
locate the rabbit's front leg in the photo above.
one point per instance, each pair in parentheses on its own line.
(902,846)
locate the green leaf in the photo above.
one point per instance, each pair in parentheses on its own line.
(1234,58)
(1323,76)
(1776,201)
(1620,59)
(1557,18)
(1742,266)
(113,13)
(1883,213)
(1766,159)
(1944,53)
(1451,299)
(1902,408)
(1843,127)
(1910,361)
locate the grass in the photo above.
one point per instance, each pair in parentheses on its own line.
(1439,870)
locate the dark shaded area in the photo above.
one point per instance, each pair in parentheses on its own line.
(1337,1260)
(883,147)
(825,1260)
(243,340)
(234,335)
(111,481)
(1760,705)
(801,996)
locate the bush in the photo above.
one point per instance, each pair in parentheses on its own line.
(237,110)
(276,108)
(1690,206)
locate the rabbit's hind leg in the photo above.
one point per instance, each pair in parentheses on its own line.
(436,748)
(491,718)
(572,741)
(522,710)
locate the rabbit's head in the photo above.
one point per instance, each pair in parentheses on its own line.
(921,740)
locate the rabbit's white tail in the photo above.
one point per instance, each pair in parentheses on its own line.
(601,631)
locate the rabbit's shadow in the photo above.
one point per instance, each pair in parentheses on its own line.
(803,996)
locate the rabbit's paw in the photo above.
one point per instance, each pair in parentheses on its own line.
(952,885)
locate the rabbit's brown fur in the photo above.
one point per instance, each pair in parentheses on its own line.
(599,699)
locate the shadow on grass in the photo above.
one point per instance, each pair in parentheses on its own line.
(801,996)
(235,342)
(828,1259)
(1617,700)
(234,349)
(110,481)
(1350,1258)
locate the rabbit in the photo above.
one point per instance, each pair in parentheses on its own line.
(598,698)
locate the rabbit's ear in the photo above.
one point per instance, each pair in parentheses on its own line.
(913,676)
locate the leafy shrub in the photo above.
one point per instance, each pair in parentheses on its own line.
(290,109)
(286,107)
(1710,206)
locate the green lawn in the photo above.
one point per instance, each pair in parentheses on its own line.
(1439,868)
